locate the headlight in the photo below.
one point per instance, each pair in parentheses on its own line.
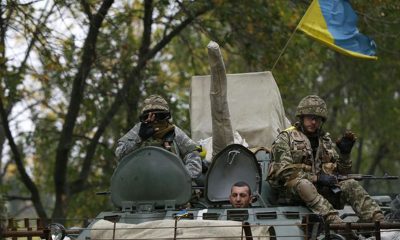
(57,231)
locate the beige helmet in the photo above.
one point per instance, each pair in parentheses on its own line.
(312,105)
(155,102)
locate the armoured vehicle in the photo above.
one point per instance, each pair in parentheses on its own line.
(155,198)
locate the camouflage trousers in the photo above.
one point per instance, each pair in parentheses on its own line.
(352,193)
(361,202)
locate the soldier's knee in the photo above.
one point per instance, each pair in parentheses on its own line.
(306,191)
(349,185)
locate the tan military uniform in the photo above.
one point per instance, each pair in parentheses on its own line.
(293,167)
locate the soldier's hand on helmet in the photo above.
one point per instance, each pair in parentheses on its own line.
(326,180)
(346,142)
(146,130)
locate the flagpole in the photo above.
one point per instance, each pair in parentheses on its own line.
(284,48)
(290,38)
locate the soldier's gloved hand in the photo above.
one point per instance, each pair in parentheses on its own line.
(346,142)
(326,180)
(146,130)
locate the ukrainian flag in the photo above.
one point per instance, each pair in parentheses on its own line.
(333,22)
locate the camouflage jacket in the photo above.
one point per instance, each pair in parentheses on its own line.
(292,158)
(185,148)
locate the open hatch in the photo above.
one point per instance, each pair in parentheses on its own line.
(233,164)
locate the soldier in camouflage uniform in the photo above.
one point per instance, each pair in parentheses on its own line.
(155,129)
(305,162)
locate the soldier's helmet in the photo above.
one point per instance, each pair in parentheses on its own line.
(312,105)
(155,103)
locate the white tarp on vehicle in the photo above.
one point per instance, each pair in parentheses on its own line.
(255,106)
(185,229)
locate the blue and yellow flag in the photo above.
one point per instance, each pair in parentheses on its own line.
(334,23)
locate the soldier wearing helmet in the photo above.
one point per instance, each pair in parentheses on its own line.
(304,164)
(155,128)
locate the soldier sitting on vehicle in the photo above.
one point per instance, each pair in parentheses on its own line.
(240,196)
(155,129)
(304,163)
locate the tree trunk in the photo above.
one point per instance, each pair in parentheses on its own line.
(381,152)
(66,142)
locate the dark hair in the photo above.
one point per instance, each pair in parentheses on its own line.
(242,184)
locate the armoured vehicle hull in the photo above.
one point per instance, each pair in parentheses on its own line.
(154,199)
(168,198)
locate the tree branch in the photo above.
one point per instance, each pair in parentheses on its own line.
(133,91)
(160,45)
(79,184)
(147,24)
(3,173)
(34,38)
(29,184)
(78,87)
(86,9)
(13,197)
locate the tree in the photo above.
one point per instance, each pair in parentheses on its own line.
(76,141)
